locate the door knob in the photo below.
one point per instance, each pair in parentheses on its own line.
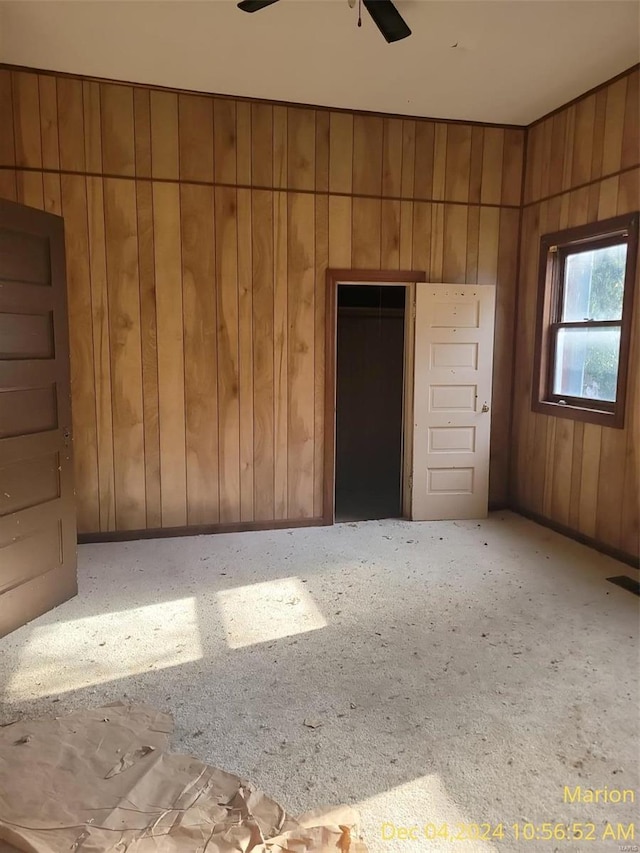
(484,408)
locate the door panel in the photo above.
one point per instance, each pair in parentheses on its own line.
(37,512)
(452,392)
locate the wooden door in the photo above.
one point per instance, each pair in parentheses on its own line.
(452,400)
(37,511)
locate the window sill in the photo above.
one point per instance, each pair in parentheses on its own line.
(576,413)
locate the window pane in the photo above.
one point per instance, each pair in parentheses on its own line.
(594,284)
(586,363)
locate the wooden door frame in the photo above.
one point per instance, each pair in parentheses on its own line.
(333,278)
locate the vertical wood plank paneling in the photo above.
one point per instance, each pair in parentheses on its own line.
(142,132)
(126,366)
(560,471)
(52,193)
(503,396)
(436,255)
(30,189)
(200,353)
(580,475)
(170,347)
(492,156)
(458,163)
(631,130)
(488,245)
(473,241)
(245,355)
(340,153)
(8,185)
(576,476)
(7,138)
(614,126)
(322,151)
(148,334)
(262,145)
(512,159)
(366,238)
(92,127)
(583,141)
(558,137)
(195,132)
(165,157)
(423,148)
(475,165)
(280,153)
(226,240)
(392,158)
(421,237)
(454,262)
(546,143)
(406,235)
(300,361)
(598,134)
(567,155)
(321,264)
(74,204)
(71,124)
(118,142)
(340,212)
(408,158)
(301,130)
(390,235)
(440,161)
(367,155)
(280,352)
(206,304)
(263,353)
(101,354)
(243,144)
(48,97)
(589,479)
(26,120)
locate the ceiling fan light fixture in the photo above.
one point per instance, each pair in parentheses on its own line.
(385,15)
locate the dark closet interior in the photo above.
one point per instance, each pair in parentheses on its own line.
(369,401)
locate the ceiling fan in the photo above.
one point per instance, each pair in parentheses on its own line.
(385,16)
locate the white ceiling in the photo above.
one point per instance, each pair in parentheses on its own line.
(515,59)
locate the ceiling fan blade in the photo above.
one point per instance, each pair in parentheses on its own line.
(387,19)
(255,5)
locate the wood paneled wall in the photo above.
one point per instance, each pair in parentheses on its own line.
(198,233)
(582,166)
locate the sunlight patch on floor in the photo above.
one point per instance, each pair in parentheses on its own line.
(76,653)
(261,612)
(421,815)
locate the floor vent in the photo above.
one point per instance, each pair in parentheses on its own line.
(626,583)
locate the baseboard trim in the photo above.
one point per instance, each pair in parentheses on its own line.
(197,530)
(602,547)
(249,526)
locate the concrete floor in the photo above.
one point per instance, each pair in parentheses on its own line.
(456,672)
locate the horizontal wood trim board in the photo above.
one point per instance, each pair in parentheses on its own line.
(197,530)
(246,99)
(256,187)
(630,559)
(582,186)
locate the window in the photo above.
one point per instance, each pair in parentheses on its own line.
(583,335)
